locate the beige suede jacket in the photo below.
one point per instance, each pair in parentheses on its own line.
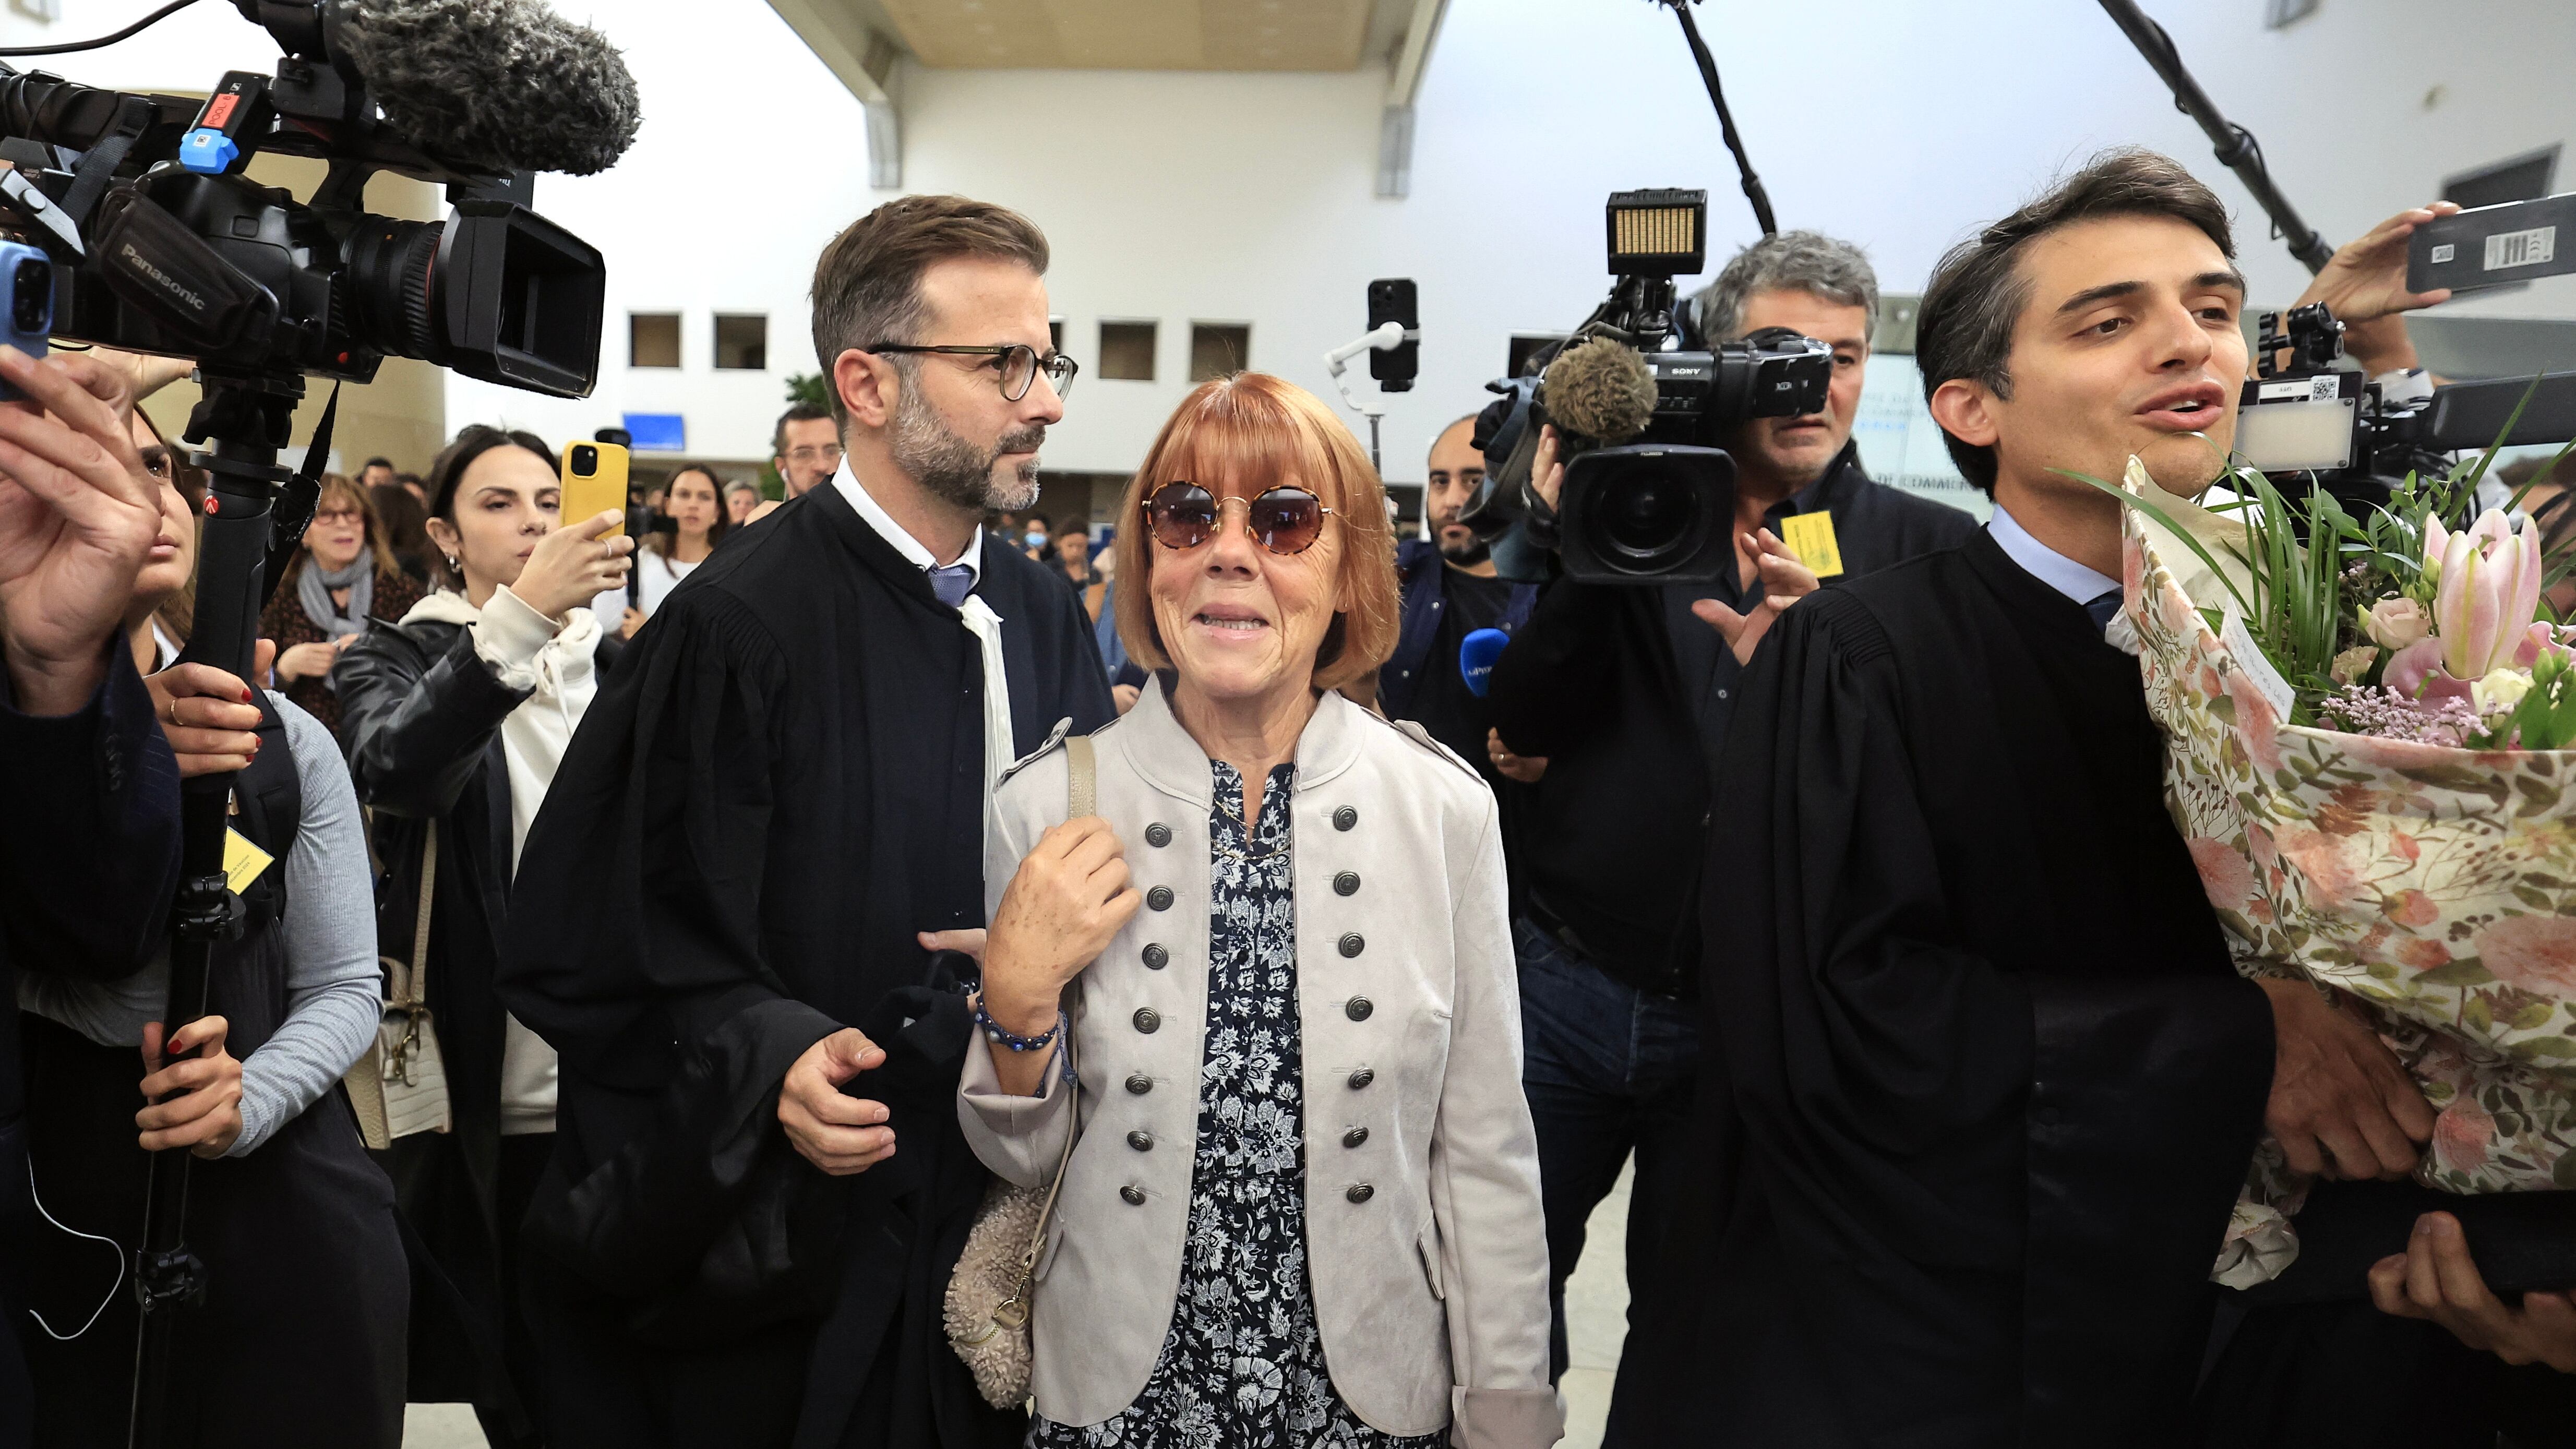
(1424,1237)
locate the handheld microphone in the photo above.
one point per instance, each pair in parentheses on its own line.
(491,85)
(1476,655)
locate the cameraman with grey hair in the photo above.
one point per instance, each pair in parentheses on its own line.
(1625,692)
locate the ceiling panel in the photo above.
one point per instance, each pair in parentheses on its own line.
(1288,35)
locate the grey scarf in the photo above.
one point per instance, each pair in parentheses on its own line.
(313,589)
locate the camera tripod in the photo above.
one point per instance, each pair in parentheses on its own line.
(255,516)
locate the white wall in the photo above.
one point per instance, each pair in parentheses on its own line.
(1896,123)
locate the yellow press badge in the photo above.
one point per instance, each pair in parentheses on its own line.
(243,861)
(1811,537)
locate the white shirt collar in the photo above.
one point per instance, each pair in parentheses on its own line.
(2074,580)
(867,507)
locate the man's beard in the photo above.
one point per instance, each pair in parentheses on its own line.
(956,470)
(1466,555)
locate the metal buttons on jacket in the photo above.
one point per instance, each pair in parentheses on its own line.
(1141,1141)
(1352,945)
(1135,1195)
(1140,1084)
(1352,1138)
(1158,835)
(1159,898)
(1156,958)
(1347,883)
(1362,1078)
(1148,1020)
(1358,1009)
(1345,818)
(1360,1192)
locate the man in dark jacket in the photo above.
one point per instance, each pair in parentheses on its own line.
(90,861)
(1450,591)
(1625,694)
(720,916)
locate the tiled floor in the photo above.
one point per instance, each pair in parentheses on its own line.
(1596,1319)
(1596,1306)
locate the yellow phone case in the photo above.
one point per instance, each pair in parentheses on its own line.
(601,490)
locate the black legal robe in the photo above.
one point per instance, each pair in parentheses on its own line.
(784,782)
(1982,1082)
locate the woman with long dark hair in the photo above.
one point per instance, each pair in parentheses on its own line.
(695,499)
(458,716)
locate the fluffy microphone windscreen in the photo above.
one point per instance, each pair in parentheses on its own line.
(1600,390)
(501,85)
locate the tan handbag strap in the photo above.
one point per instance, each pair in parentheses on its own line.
(408,988)
(1081,798)
(1082,778)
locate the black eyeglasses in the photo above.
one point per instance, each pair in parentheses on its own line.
(1283,520)
(1017,364)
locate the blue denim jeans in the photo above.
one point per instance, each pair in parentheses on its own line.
(1609,1069)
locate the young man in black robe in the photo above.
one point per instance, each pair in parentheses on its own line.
(724,919)
(1989,1083)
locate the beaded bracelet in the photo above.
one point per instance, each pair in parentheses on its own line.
(993,1029)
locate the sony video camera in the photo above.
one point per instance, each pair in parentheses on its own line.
(1649,493)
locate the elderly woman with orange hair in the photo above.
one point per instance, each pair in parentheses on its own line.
(344,574)
(1301,1206)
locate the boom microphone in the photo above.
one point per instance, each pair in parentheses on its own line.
(1600,390)
(491,85)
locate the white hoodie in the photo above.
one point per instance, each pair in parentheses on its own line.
(527,651)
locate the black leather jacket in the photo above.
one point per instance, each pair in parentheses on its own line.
(421,714)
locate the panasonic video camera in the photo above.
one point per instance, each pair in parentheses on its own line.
(160,243)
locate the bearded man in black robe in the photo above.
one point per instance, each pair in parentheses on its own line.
(730,918)
(1984,1084)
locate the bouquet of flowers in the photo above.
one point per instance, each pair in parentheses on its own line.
(2368,725)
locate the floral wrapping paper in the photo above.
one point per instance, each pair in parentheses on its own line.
(2434,887)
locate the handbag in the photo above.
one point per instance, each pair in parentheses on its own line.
(987,1309)
(400,1086)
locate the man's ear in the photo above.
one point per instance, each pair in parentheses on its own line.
(868,386)
(1965,409)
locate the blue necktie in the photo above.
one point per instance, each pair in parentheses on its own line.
(2104,608)
(953,583)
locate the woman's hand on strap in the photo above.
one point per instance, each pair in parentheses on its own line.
(1064,904)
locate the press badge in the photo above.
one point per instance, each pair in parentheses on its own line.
(243,861)
(1811,537)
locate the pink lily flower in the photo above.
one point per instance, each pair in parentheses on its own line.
(2487,594)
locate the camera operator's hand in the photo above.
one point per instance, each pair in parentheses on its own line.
(78,514)
(1784,580)
(205,1114)
(574,565)
(2364,284)
(2436,1279)
(1547,475)
(145,373)
(828,1127)
(207,715)
(1528,769)
(2341,1106)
